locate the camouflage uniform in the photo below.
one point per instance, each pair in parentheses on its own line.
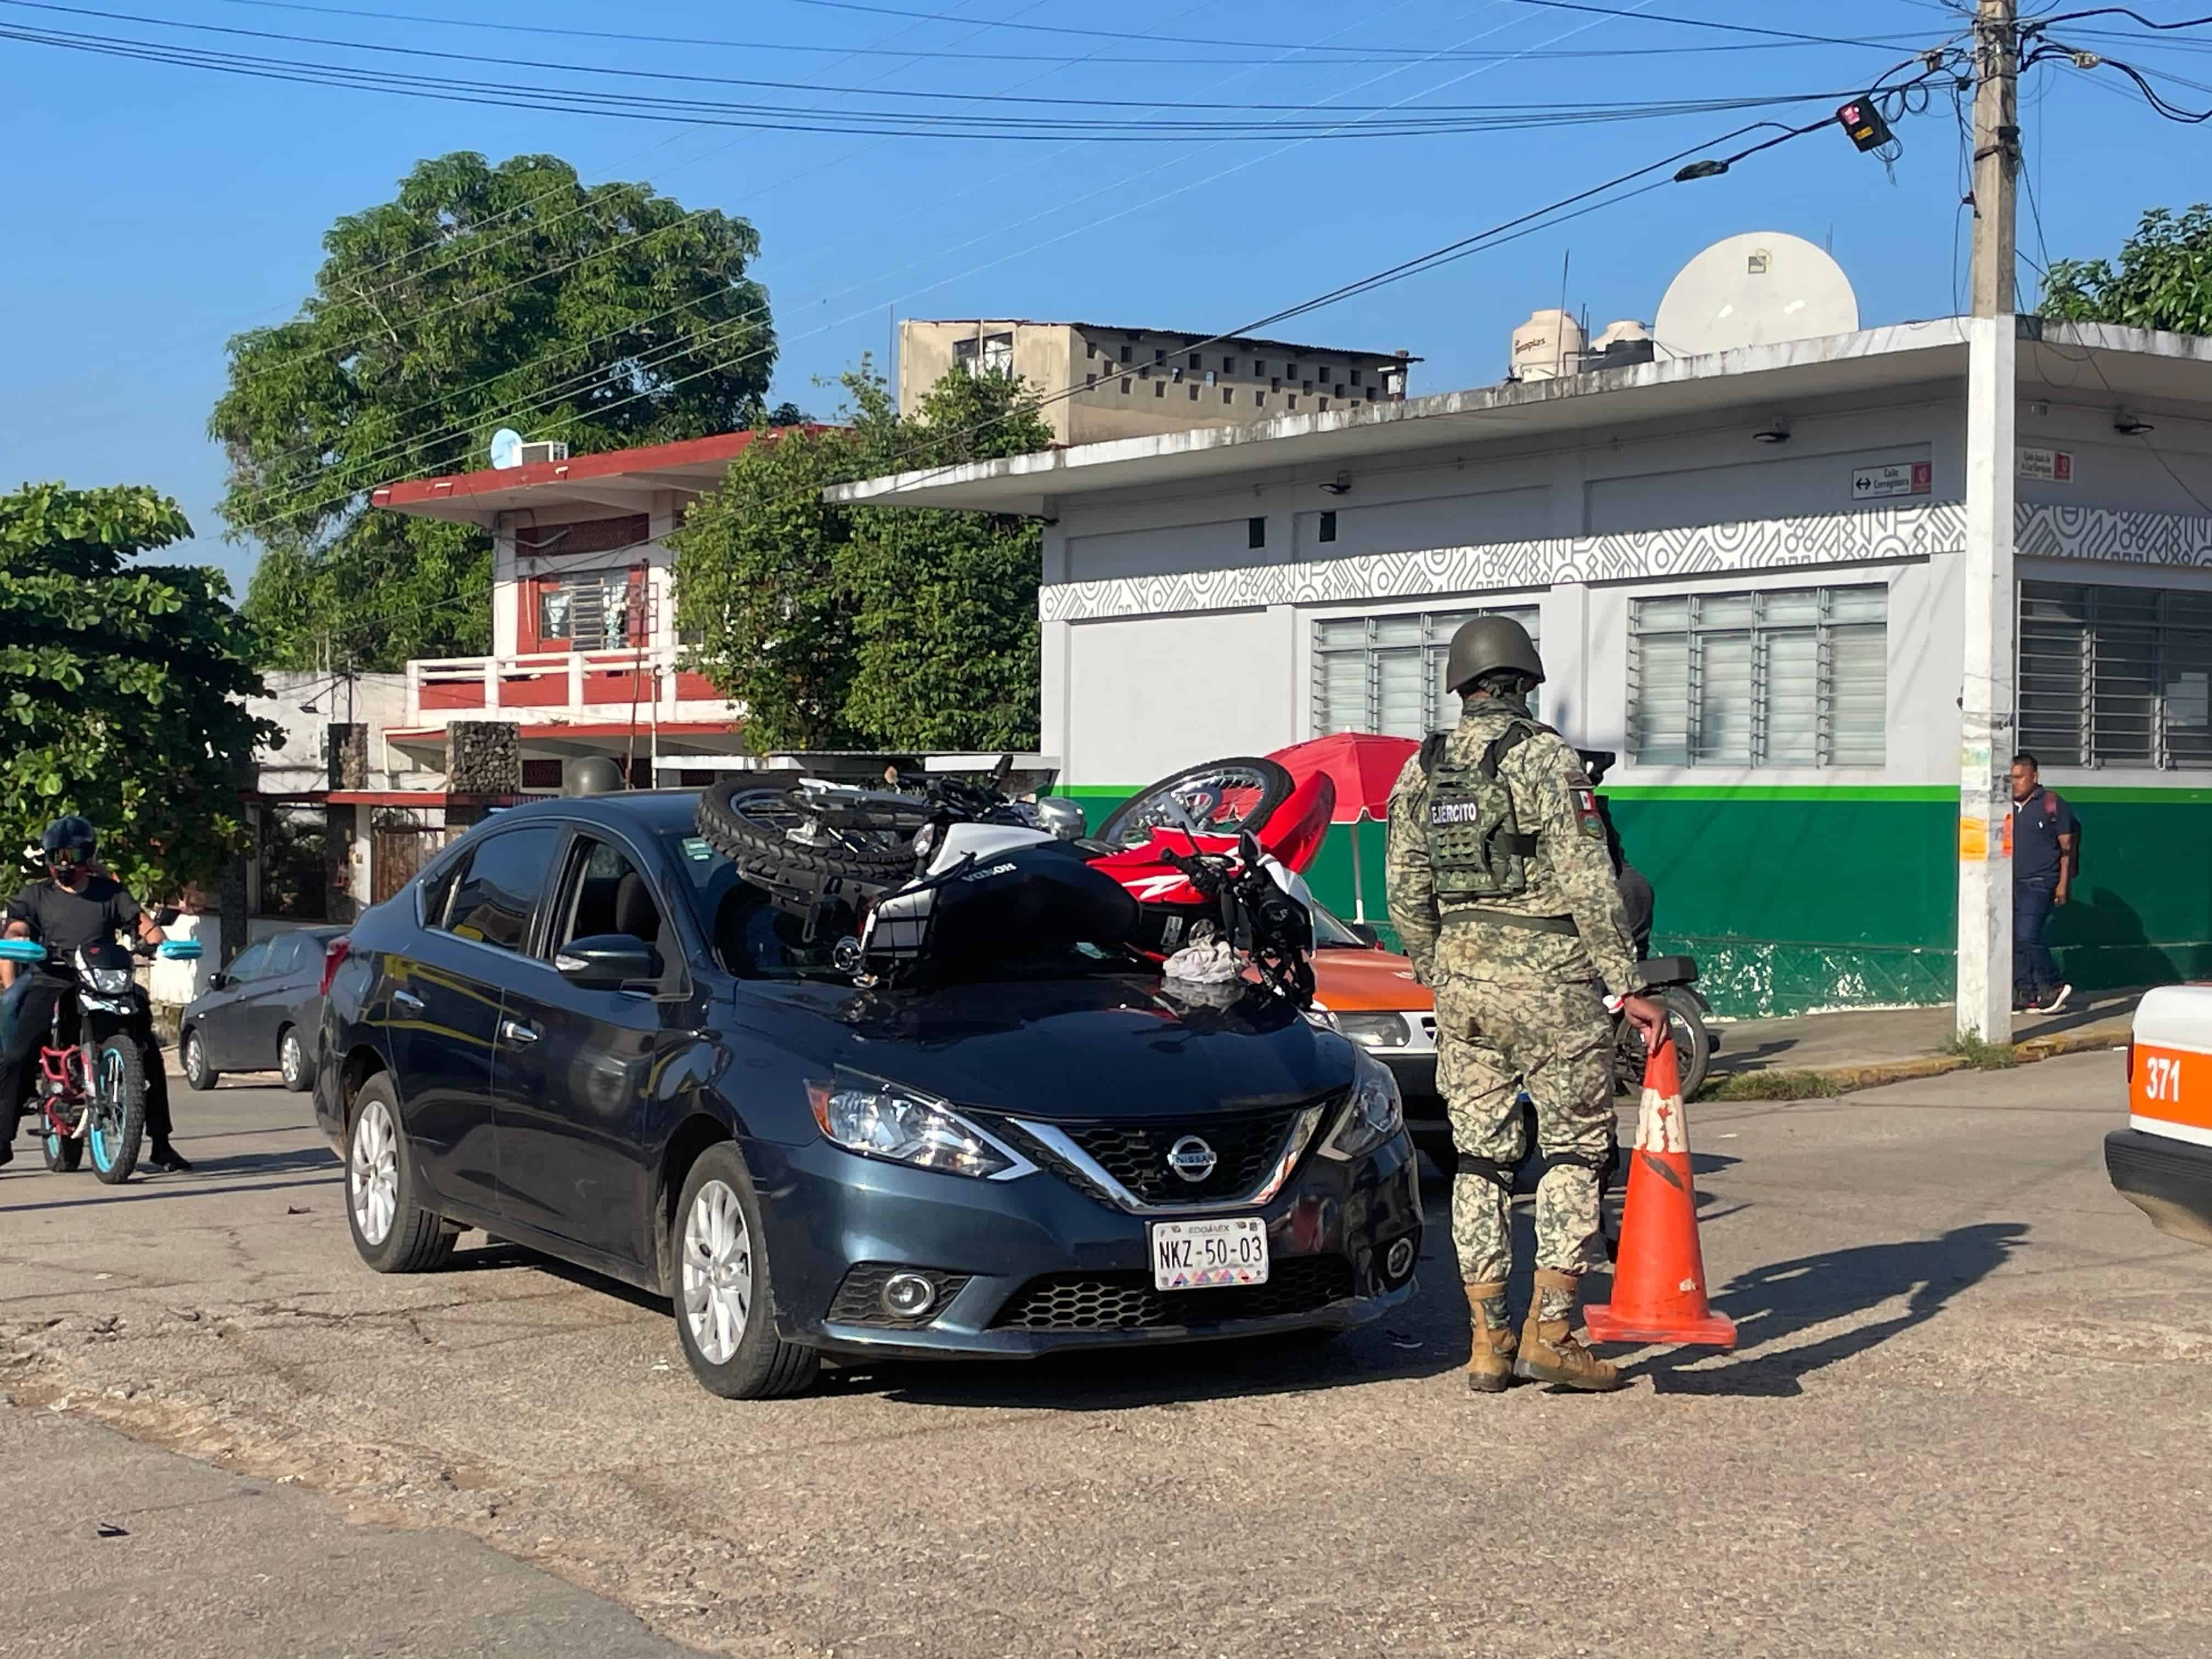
(1516,1005)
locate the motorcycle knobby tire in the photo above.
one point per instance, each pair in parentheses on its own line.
(727,822)
(121,1152)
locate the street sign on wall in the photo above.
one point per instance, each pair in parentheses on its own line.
(1873,483)
(2047,465)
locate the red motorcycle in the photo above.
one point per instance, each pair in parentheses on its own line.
(90,1088)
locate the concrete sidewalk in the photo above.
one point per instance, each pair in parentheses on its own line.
(1861,1049)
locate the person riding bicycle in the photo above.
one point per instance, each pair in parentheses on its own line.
(78,903)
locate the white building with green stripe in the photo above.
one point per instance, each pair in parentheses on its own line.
(1743,572)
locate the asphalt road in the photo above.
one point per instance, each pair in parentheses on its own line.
(1967,1416)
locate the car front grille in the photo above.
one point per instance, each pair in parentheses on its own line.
(1135,1153)
(1127,1301)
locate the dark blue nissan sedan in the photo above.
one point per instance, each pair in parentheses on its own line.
(581,1031)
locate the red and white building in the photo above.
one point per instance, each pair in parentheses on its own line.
(585,653)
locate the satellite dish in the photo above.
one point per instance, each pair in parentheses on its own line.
(1759,288)
(506,448)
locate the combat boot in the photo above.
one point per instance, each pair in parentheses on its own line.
(1549,1351)
(1490,1367)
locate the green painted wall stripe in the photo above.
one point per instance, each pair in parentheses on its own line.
(2149,795)
(1746,793)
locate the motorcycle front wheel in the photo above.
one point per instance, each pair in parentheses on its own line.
(117,1109)
(1693,1045)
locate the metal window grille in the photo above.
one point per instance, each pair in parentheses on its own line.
(1796,676)
(595,610)
(2112,676)
(1386,673)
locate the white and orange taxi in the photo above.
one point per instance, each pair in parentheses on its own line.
(2161,1163)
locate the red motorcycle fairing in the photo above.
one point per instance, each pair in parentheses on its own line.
(1291,834)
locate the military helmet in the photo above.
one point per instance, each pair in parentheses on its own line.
(1490,645)
(592,775)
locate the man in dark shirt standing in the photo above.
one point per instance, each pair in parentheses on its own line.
(2042,843)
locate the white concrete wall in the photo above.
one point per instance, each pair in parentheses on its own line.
(1130,698)
(298,764)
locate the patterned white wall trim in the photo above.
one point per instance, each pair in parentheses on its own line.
(1761,544)
(2098,533)
(2043,531)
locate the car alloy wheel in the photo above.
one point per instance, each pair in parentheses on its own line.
(290,1059)
(373,1173)
(718,1272)
(195,1061)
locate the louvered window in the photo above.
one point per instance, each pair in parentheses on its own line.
(1795,676)
(1386,673)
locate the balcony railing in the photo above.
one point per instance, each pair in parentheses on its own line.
(562,683)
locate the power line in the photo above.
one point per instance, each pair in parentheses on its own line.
(1199,40)
(1330,56)
(1445,116)
(1559,211)
(1357,117)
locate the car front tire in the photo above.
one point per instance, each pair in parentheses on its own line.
(199,1074)
(725,1314)
(392,1231)
(292,1061)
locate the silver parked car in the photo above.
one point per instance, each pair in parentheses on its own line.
(263,1013)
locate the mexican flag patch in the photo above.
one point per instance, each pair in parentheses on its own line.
(1586,813)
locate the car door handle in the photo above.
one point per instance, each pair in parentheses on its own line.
(407,1002)
(515,1031)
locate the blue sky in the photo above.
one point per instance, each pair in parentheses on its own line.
(155,211)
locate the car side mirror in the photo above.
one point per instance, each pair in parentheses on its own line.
(1365,934)
(607,962)
(217,981)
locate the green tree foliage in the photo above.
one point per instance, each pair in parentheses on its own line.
(2163,279)
(121,686)
(945,604)
(859,627)
(484,296)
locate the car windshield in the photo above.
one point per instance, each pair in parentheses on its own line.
(754,938)
(1329,934)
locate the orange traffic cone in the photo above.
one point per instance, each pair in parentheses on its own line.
(1659,1279)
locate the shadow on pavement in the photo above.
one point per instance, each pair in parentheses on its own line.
(304,1158)
(163,1186)
(1771,1305)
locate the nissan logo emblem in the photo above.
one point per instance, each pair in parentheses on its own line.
(1192,1158)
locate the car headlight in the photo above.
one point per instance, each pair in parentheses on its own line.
(877,1119)
(1375,1030)
(1321,1017)
(110,981)
(1371,1116)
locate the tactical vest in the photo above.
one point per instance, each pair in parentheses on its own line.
(1476,848)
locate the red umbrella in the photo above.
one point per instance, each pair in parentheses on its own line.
(1364,766)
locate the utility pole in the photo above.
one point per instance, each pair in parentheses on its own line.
(1985,702)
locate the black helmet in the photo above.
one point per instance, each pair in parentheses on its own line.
(1490,645)
(69,840)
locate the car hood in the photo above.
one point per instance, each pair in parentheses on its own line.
(1095,1047)
(1368,981)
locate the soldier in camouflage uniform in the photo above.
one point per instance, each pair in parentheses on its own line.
(1502,888)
